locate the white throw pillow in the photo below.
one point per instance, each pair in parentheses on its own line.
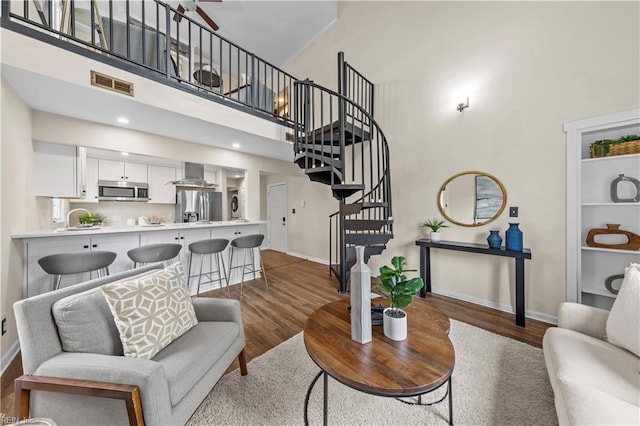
(623,324)
(151,311)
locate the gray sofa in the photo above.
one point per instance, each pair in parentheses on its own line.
(172,384)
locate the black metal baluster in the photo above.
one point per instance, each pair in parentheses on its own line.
(73,18)
(158,36)
(93,23)
(127,13)
(189,68)
(144,35)
(167,41)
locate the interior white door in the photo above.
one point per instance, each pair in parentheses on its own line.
(277,202)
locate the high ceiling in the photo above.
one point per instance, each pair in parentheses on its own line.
(274,30)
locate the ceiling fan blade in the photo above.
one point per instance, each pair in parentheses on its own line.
(207,19)
(178,16)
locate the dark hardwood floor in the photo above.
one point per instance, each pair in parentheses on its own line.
(296,288)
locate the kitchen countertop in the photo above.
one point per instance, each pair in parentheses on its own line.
(65,232)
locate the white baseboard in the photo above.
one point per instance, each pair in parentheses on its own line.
(9,356)
(489,304)
(309,258)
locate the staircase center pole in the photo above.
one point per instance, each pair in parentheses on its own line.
(344,282)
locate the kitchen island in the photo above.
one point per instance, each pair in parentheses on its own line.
(37,244)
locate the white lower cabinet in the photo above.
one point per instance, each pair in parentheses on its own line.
(183,237)
(38,281)
(231,233)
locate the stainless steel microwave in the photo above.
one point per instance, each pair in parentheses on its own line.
(109,190)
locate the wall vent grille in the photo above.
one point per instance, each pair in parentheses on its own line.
(110,83)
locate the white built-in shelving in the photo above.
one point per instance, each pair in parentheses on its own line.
(589,206)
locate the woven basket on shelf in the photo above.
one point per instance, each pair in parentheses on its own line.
(620,148)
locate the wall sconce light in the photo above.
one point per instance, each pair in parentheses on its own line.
(461,107)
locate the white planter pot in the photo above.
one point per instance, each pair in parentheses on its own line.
(394,328)
(434,236)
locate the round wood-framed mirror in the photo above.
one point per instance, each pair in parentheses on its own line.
(472,198)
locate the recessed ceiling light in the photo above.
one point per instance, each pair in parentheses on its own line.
(235,145)
(123,120)
(124,153)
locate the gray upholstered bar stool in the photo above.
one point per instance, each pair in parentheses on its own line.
(76,263)
(153,253)
(202,248)
(247,242)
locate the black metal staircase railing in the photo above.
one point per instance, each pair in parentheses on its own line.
(339,143)
(158,41)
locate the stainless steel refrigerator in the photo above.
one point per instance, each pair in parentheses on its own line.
(198,205)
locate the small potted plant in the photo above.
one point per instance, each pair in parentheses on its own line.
(435,225)
(94,219)
(399,291)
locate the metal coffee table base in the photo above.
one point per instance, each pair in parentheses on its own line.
(325,398)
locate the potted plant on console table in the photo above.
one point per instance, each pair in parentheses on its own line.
(399,291)
(435,225)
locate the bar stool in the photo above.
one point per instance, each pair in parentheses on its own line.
(154,253)
(247,242)
(213,247)
(76,263)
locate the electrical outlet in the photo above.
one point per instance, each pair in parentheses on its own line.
(293,211)
(4,326)
(513,212)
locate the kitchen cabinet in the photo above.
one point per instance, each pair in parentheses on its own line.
(39,282)
(183,237)
(43,243)
(589,206)
(120,170)
(231,233)
(159,191)
(91,178)
(59,170)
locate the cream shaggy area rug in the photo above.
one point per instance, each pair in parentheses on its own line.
(496,381)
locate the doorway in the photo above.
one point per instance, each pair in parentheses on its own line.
(277,216)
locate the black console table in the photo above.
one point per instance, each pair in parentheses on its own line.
(518,256)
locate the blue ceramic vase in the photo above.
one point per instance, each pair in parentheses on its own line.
(514,238)
(494,239)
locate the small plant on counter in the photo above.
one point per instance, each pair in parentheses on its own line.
(435,224)
(396,287)
(91,219)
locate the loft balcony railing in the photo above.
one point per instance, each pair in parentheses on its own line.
(153,39)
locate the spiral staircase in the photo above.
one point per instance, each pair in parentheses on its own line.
(338,143)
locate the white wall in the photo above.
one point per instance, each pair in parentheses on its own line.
(308,227)
(527,67)
(17,203)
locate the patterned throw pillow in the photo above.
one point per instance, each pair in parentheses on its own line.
(151,311)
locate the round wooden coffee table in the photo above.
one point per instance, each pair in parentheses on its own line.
(418,365)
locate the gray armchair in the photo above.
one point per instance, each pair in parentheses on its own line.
(171,385)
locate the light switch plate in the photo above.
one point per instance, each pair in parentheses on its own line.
(513,212)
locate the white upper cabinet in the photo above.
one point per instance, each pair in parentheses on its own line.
(159,191)
(119,170)
(59,170)
(91,174)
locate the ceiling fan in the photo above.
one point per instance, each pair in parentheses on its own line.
(192,6)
